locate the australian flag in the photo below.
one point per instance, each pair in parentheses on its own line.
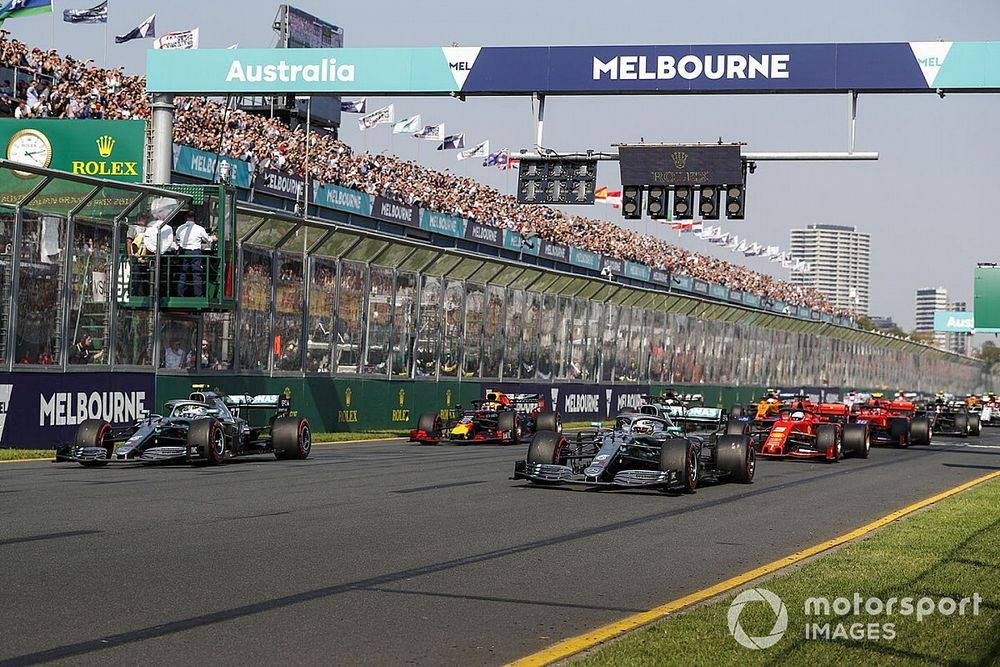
(498,159)
(145,29)
(355,106)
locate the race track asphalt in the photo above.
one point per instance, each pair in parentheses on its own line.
(388,553)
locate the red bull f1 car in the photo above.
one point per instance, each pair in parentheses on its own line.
(817,431)
(892,422)
(500,419)
(207,427)
(640,451)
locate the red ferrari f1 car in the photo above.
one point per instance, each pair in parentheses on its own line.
(818,431)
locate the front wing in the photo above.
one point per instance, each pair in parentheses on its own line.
(547,473)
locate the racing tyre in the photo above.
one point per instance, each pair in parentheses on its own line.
(901,432)
(856,440)
(962,424)
(826,437)
(677,454)
(734,454)
(548,421)
(210,440)
(93,433)
(291,438)
(920,431)
(737,427)
(736,411)
(975,426)
(545,448)
(507,421)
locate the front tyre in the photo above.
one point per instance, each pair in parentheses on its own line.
(291,438)
(735,455)
(548,421)
(208,438)
(856,440)
(679,455)
(545,448)
(94,433)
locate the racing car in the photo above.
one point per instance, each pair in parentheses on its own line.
(500,419)
(639,451)
(208,427)
(952,417)
(892,422)
(815,432)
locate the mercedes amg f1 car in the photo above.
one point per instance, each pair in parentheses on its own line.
(500,419)
(953,418)
(640,451)
(815,432)
(892,422)
(207,427)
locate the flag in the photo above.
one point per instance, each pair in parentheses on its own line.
(14,9)
(145,29)
(734,242)
(697,226)
(742,247)
(515,163)
(431,133)
(481,149)
(721,239)
(451,142)
(233,46)
(98,14)
(493,159)
(407,125)
(383,115)
(356,106)
(786,263)
(754,250)
(182,39)
(771,251)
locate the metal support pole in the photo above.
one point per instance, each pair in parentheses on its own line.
(163,136)
(539,119)
(852,120)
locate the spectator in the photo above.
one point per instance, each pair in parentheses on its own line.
(175,356)
(83,352)
(192,240)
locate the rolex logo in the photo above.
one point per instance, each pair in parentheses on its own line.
(402,397)
(105,145)
(347,396)
(680,159)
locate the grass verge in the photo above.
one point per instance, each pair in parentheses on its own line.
(950,550)
(21,454)
(344,436)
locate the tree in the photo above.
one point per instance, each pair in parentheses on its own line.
(926,337)
(989,352)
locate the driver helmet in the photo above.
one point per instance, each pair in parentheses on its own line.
(798,415)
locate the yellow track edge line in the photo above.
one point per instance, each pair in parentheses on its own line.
(574,645)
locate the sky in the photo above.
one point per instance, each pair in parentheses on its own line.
(929,202)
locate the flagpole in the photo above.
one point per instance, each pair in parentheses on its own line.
(52,23)
(107,20)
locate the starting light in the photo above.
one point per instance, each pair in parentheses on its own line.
(556,181)
(708,205)
(631,202)
(656,202)
(735,202)
(682,203)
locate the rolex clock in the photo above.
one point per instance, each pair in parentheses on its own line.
(29,147)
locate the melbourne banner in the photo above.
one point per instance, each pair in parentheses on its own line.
(202,164)
(675,68)
(103,148)
(42,410)
(393,211)
(279,184)
(343,199)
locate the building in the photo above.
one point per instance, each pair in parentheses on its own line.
(930,299)
(958,342)
(883,322)
(840,259)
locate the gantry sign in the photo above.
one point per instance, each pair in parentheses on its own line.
(901,67)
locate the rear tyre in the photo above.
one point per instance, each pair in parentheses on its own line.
(826,437)
(975,426)
(962,424)
(736,410)
(734,454)
(737,427)
(507,422)
(94,433)
(901,432)
(291,438)
(548,421)
(545,448)
(679,455)
(856,440)
(920,431)
(207,436)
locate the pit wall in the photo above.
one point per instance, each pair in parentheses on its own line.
(358,405)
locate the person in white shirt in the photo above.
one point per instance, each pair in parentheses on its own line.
(192,240)
(158,238)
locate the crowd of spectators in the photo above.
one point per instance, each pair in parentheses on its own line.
(62,87)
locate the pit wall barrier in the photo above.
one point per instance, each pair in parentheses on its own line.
(358,405)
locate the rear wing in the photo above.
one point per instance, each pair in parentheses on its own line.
(700,418)
(280,403)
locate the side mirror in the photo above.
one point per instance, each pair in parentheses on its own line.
(212,411)
(596,424)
